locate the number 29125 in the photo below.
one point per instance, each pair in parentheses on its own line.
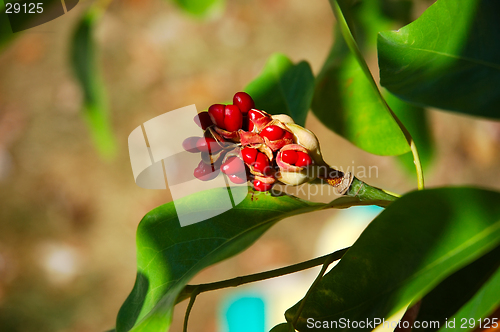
(26,8)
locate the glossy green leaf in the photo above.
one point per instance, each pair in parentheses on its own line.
(84,63)
(284,88)
(472,315)
(169,255)
(448,58)
(406,251)
(455,291)
(200,7)
(417,123)
(346,102)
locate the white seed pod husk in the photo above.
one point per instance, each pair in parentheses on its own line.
(308,140)
(286,119)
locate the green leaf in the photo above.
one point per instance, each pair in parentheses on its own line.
(448,58)
(484,302)
(413,245)
(284,88)
(84,63)
(283,327)
(169,255)
(200,8)
(455,291)
(5,29)
(347,102)
(416,121)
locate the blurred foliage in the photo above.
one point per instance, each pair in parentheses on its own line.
(284,88)
(187,250)
(434,241)
(86,68)
(416,120)
(449,58)
(200,8)
(383,271)
(459,289)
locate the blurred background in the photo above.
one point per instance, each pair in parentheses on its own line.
(68,215)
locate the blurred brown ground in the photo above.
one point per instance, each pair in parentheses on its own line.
(68,218)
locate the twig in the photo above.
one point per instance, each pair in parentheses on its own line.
(194,294)
(201,288)
(327,263)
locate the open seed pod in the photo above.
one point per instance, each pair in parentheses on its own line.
(276,135)
(215,159)
(308,140)
(257,120)
(234,167)
(286,164)
(294,178)
(229,135)
(263,183)
(248,138)
(286,119)
(259,159)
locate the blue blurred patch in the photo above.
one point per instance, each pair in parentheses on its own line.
(244,314)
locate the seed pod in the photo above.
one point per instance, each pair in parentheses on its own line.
(261,183)
(205,172)
(286,119)
(228,119)
(308,140)
(257,120)
(243,101)
(276,135)
(233,166)
(259,159)
(208,144)
(293,158)
(229,135)
(203,120)
(233,119)
(247,138)
(216,113)
(236,179)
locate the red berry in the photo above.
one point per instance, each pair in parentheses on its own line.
(244,102)
(205,172)
(233,119)
(203,120)
(261,186)
(288,135)
(250,125)
(261,163)
(233,165)
(289,157)
(208,144)
(249,155)
(255,114)
(303,159)
(189,144)
(235,178)
(273,133)
(216,113)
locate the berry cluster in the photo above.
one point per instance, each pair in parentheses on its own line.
(246,143)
